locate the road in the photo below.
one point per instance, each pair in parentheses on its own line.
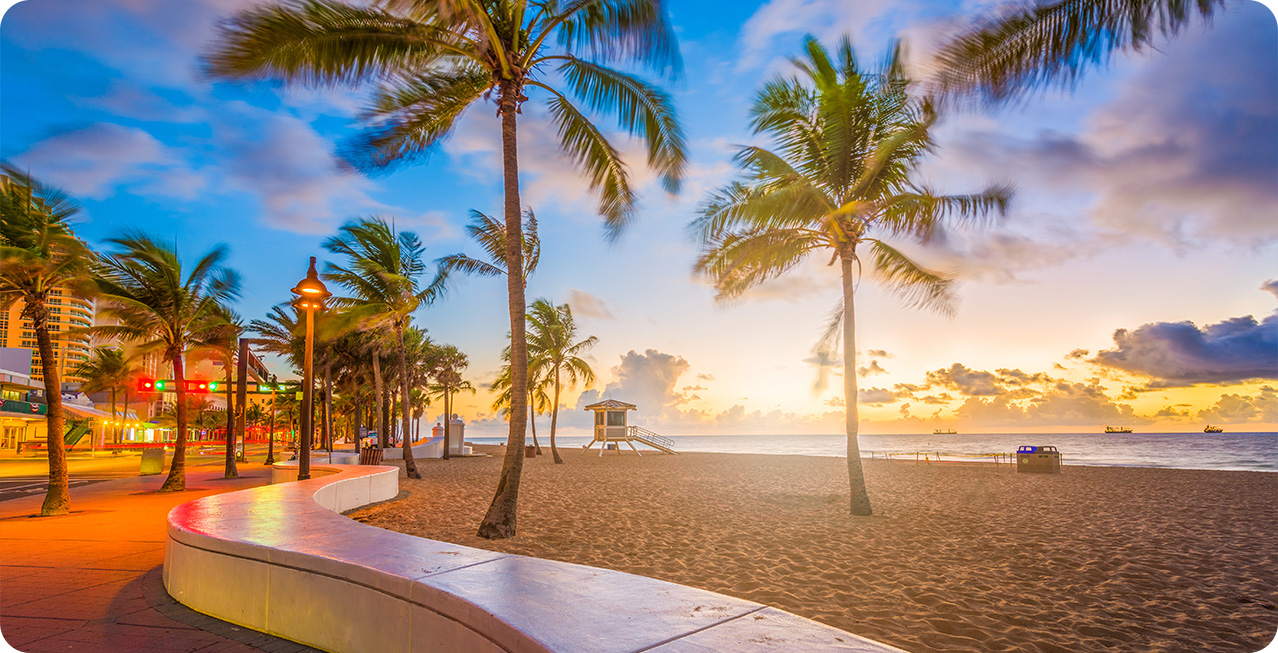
(20,477)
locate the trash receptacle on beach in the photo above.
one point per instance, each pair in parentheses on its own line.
(1038,460)
(152,461)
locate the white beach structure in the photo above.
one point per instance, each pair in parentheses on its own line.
(611,426)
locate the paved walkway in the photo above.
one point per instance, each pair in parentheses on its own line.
(91,580)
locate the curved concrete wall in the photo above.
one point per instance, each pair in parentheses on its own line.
(280,559)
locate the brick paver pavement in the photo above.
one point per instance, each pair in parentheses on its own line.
(91,580)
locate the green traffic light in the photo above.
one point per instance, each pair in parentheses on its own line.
(212,386)
(159,385)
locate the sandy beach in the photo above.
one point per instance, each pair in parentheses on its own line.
(967,557)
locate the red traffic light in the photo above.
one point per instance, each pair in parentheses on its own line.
(146,385)
(197,385)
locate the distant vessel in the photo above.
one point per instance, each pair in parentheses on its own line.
(944,432)
(1213,429)
(1117,429)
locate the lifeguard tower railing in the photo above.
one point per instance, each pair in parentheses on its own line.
(659,442)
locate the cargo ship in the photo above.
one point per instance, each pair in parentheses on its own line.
(1117,429)
(944,432)
(1213,429)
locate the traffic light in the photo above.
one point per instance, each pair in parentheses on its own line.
(161,386)
(146,385)
(197,386)
(213,386)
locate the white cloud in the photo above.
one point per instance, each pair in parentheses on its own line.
(91,161)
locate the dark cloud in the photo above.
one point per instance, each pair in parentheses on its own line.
(971,383)
(1077,354)
(1180,353)
(1186,150)
(1069,404)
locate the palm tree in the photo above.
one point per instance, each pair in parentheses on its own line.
(491,236)
(553,354)
(224,341)
(538,400)
(449,363)
(1051,44)
(38,254)
(382,271)
(143,289)
(847,141)
(432,59)
(108,370)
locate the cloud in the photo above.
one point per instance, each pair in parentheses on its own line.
(872,368)
(1180,353)
(1237,408)
(826,19)
(1067,404)
(1270,286)
(878,353)
(585,304)
(291,168)
(875,396)
(971,383)
(92,160)
(1187,149)
(1077,354)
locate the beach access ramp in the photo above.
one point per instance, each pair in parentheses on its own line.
(654,440)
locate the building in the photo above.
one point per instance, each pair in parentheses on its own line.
(66,311)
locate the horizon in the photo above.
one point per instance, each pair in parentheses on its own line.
(1132,284)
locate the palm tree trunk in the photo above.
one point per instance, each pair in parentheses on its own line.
(554,420)
(328,404)
(114,419)
(532,422)
(119,437)
(176,481)
(270,438)
(382,440)
(57,500)
(860,501)
(358,419)
(410,465)
(447,420)
(500,522)
(231,471)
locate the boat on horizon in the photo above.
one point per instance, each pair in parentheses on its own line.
(1213,429)
(944,432)
(1117,429)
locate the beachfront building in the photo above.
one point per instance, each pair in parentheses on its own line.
(66,311)
(22,419)
(612,429)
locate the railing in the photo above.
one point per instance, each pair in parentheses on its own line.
(648,437)
(942,456)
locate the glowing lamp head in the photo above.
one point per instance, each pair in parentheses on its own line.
(311,292)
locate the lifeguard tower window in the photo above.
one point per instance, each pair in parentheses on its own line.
(599,419)
(616,418)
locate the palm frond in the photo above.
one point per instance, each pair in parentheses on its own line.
(911,283)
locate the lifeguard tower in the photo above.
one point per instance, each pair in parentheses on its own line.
(611,426)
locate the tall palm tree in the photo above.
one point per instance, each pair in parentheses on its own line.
(143,289)
(107,369)
(382,272)
(224,342)
(431,59)
(847,142)
(554,354)
(1051,44)
(38,253)
(449,363)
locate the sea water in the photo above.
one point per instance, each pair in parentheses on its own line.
(1232,451)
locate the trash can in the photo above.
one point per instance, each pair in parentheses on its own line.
(1038,460)
(530,451)
(370,456)
(152,461)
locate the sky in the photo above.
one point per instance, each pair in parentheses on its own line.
(1133,282)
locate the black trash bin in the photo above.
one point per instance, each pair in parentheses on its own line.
(1038,460)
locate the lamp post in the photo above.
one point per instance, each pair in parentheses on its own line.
(311,294)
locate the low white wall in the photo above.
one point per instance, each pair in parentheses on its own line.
(433,448)
(279,559)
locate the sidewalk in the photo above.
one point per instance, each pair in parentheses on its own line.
(91,580)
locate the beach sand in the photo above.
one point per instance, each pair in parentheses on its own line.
(967,557)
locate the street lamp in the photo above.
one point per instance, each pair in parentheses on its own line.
(311,294)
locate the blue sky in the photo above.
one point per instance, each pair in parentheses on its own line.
(1146,200)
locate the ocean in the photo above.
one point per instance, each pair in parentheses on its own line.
(1231,451)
